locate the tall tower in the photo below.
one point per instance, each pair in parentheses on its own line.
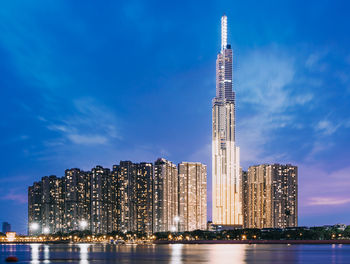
(226,182)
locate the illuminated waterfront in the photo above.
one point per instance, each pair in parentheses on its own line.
(176,253)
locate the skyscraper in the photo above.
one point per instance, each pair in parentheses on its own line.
(100,199)
(134,196)
(76,192)
(244,177)
(143,197)
(165,210)
(272,200)
(226,182)
(125,172)
(35,193)
(192,196)
(52,204)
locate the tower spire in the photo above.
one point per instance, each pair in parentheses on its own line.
(223,32)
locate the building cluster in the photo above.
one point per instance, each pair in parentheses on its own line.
(137,197)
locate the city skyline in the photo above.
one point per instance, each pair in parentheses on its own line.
(75,96)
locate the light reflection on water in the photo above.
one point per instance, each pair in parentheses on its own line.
(34,253)
(84,253)
(176,253)
(227,253)
(46,254)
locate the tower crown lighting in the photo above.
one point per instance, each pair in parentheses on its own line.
(223,32)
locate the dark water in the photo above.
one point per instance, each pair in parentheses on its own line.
(85,253)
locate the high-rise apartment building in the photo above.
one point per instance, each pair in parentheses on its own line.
(165,211)
(226,182)
(143,198)
(76,196)
(100,199)
(125,172)
(192,196)
(272,200)
(52,204)
(35,194)
(244,177)
(134,196)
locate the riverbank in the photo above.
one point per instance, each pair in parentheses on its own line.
(238,242)
(284,242)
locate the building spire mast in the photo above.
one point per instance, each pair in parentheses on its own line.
(223,32)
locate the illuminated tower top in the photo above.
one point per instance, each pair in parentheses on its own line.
(223,32)
(224,75)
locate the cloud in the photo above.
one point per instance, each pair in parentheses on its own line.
(12,196)
(328,201)
(87,139)
(265,90)
(314,62)
(58,128)
(320,185)
(318,146)
(88,123)
(303,99)
(265,75)
(326,127)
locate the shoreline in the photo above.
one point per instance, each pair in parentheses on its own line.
(219,242)
(258,242)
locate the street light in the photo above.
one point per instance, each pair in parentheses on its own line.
(83,224)
(46,230)
(34,226)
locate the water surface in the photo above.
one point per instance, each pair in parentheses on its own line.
(176,253)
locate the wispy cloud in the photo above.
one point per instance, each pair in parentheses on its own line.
(314,62)
(13,195)
(319,185)
(327,127)
(265,86)
(328,201)
(87,139)
(88,124)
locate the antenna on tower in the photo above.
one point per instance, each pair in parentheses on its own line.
(223,32)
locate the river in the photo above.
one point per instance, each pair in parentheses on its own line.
(176,253)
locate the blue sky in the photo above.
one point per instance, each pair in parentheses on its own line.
(85,83)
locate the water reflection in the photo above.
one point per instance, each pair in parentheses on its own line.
(227,254)
(34,249)
(176,254)
(84,253)
(46,254)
